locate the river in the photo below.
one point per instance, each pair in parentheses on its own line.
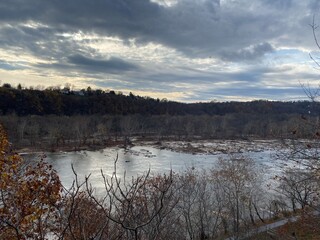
(138,160)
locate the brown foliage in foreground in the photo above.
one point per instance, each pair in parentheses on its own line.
(28,195)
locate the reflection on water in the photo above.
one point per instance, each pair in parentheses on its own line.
(133,162)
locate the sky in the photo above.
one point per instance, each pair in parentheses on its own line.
(181,50)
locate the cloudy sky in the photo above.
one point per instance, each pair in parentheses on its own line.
(184,50)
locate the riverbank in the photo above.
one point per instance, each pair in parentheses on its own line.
(209,147)
(63,148)
(219,146)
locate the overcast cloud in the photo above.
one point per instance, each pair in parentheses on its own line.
(185,50)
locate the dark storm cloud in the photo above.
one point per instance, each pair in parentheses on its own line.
(124,17)
(110,65)
(251,53)
(87,65)
(43,42)
(196,28)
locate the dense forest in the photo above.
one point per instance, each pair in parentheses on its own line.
(87,101)
(54,118)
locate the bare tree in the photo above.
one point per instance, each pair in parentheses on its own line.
(138,209)
(128,124)
(200,205)
(236,178)
(300,187)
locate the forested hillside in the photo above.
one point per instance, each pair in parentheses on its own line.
(55,118)
(87,101)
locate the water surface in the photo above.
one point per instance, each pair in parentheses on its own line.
(138,160)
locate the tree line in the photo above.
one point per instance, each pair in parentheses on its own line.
(51,132)
(64,101)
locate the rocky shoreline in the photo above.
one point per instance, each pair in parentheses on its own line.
(210,147)
(219,146)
